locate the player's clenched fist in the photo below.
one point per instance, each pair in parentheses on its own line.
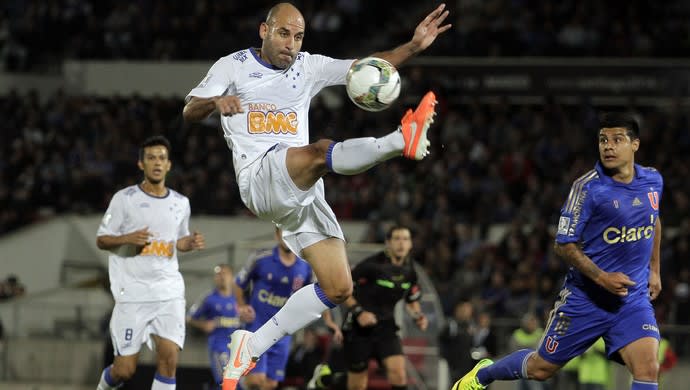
(228,105)
(615,282)
(654,285)
(246,313)
(198,241)
(139,237)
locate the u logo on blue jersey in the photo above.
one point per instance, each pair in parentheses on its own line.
(551,345)
(653,199)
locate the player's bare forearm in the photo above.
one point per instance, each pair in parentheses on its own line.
(424,35)
(196,323)
(203,325)
(654,282)
(655,260)
(399,55)
(328,318)
(239,294)
(198,109)
(184,244)
(574,256)
(191,242)
(110,242)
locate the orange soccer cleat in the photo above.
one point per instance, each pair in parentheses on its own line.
(414,126)
(241,360)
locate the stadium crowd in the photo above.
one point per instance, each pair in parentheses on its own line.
(164,30)
(493,164)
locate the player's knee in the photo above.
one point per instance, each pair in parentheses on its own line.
(167,364)
(540,373)
(358,384)
(314,156)
(321,147)
(340,291)
(647,371)
(397,377)
(123,371)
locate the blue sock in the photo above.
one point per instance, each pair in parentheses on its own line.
(640,385)
(109,379)
(161,382)
(513,366)
(322,296)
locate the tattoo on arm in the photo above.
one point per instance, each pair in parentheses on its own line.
(574,256)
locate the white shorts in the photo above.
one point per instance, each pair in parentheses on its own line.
(133,323)
(268,191)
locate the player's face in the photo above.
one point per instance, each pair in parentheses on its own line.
(155,164)
(616,148)
(223,277)
(400,243)
(282,38)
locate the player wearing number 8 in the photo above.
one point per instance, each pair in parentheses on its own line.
(144,228)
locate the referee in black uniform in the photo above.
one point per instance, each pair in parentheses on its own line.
(370,331)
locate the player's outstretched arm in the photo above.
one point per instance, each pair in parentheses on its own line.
(614,282)
(198,108)
(424,35)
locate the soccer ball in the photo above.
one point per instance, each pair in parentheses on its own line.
(373,84)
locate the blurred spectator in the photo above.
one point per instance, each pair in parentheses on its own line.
(456,340)
(11,288)
(567,377)
(667,358)
(484,338)
(527,336)
(594,367)
(305,355)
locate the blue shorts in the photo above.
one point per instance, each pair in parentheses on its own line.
(273,362)
(576,323)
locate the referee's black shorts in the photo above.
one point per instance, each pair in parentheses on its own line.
(379,341)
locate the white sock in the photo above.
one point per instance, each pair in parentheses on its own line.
(106,382)
(302,308)
(356,155)
(161,382)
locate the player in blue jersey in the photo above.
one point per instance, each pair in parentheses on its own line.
(609,233)
(218,316)
(273,275)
